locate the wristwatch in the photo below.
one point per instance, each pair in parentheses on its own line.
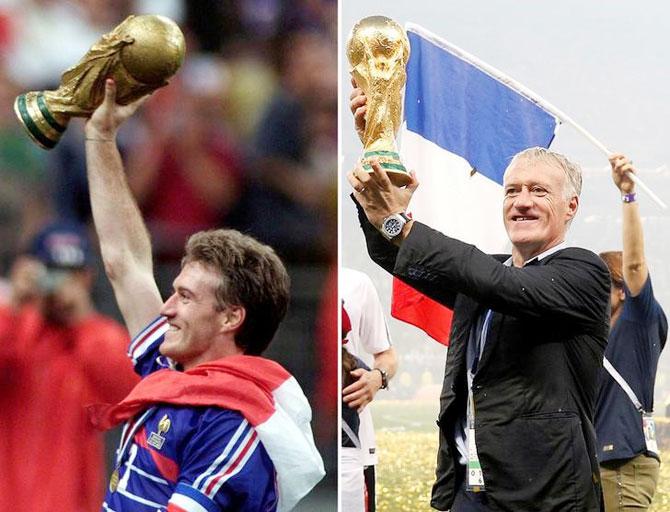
(385,378)
(392,225)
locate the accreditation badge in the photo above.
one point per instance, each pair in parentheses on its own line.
(649,429)
(475,477)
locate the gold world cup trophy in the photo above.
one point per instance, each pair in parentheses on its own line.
(140,54)
(378,51)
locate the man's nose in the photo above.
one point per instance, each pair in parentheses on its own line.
(168,308)
(523,199)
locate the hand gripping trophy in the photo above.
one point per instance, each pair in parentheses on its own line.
(140,55)
(378,51)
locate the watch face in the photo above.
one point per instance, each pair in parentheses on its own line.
(393,227)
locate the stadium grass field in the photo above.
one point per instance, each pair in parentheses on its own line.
(407,444)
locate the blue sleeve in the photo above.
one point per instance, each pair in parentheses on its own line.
(143,348)
(225,467)
(642,308)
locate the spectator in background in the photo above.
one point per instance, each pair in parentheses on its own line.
(56,356)
(296,149)
(628,455)
(48,36)
(351,469)
(22,178)
(185,171)
(367,338)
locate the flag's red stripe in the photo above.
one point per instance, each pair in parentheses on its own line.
(423,312)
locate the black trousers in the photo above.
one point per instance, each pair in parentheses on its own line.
(467,501)
(369,473)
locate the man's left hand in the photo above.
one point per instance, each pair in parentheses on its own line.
(378,197)
(360,393)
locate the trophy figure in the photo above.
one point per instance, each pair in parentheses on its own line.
(140,55)
(378,50)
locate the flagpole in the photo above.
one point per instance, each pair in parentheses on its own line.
(530,95)
(634,178)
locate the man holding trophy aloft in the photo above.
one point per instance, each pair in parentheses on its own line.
(528,331)
(211,425)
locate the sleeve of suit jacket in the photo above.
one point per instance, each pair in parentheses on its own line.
(385,253)
(574,284)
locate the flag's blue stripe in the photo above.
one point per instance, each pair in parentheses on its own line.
(465,111)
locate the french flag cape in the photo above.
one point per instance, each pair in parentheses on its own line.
(261,390)
(461,129)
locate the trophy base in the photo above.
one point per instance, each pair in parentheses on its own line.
(32,111)
(390,162)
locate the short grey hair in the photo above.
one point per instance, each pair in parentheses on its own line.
(573,173)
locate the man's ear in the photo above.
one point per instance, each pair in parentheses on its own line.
(232,318)
(573,204)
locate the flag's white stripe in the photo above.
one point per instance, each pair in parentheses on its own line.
(237,468)
(293,401)
(142,348)
(233,440)
(291,448)
(143,501)
(140,337)
(187,503)
(251,434)
(143,473)
(460,205)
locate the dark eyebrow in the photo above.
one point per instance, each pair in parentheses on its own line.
(183,289)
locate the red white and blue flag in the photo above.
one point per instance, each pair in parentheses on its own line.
(464,121)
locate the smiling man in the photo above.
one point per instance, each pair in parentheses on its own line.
(541,198)
(211,426)
(527,339)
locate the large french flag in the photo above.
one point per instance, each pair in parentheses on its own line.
(464,121)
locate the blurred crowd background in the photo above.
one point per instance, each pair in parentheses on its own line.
(245,136)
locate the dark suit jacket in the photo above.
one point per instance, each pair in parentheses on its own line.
(536,383)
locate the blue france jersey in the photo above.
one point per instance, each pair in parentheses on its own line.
(187,459)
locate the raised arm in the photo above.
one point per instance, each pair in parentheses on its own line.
(635,269)
(124,240)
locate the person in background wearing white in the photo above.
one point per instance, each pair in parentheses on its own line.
(369,340)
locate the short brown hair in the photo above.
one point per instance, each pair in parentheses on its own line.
(614,262)
(252,276)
